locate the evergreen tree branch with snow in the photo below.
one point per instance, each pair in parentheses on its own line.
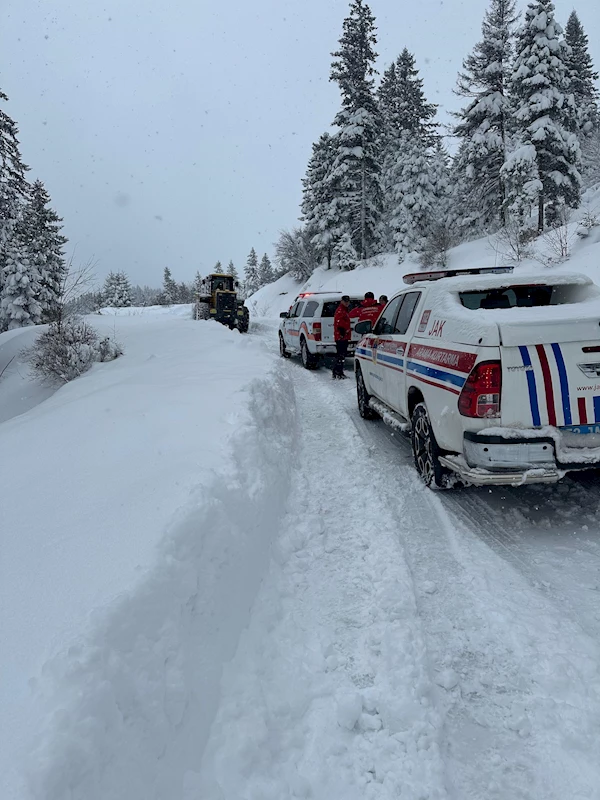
(483,124)
(251,274)
(355,174)
(19,304)
(544,168)
(44,247)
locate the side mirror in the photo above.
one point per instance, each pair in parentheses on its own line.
(284,315)
(366,326)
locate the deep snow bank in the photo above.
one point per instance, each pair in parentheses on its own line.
(137,507)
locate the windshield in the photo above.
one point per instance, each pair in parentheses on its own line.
(220,284)
(330,307)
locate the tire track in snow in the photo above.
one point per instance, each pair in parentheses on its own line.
(523,699)
(329,695)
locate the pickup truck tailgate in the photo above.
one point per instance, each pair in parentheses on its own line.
(552,382)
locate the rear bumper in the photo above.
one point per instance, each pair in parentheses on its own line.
(478,476)
(508,456)
(331,350)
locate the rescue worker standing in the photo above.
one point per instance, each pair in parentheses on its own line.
(366,309)
(342,331)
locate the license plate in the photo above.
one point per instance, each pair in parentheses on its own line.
(583,429)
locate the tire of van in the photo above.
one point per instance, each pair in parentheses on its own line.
(308,360)
(426,451)
(282,351)
(363,397)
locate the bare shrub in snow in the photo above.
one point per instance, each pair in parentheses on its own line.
(65,351)
(590,220)
(296,253)
(512,242)
(557,241)
(435,247)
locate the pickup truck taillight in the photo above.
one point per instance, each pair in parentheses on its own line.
(316,328)
(480,396)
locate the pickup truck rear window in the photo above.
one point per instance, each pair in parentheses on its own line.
(329,308)
(516,297)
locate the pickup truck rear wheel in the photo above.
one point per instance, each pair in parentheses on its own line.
(426,450)
(363,397)
(282,351)
(308,360)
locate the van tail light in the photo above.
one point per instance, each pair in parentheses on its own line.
(480,396)
(316,327)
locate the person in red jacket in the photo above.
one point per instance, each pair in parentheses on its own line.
(342,331)
(369,309)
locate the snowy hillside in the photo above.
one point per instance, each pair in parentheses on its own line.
(383,275)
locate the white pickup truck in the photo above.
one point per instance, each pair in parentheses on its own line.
(497,376)
(307,328)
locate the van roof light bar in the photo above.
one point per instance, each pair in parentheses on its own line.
(416,277)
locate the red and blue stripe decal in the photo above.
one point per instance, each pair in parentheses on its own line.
(531,385)
(564,383)
(557,398)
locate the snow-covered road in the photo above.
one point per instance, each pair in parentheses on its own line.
(283,611)
(412,644)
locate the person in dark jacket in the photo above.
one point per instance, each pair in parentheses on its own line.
(342,331)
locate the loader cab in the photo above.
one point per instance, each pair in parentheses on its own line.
(222,283)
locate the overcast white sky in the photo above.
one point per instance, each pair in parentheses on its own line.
(175,133)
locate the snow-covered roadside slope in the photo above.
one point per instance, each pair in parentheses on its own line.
(137,505)
(383,274)
(19,392)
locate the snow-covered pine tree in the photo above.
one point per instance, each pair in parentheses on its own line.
(344,254)
(545,116)
(583,76)
(231,270)
(218,267)
(405,113)
(19,305)
(419,193)
(13,184)
(484,122)
(402,102)
(196,286)
(590,153)
(355,176)
(265,271)
(123,291)
(117,290)
(320,212)
(170,291)
(41,232)
(184,293)
(251,274)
